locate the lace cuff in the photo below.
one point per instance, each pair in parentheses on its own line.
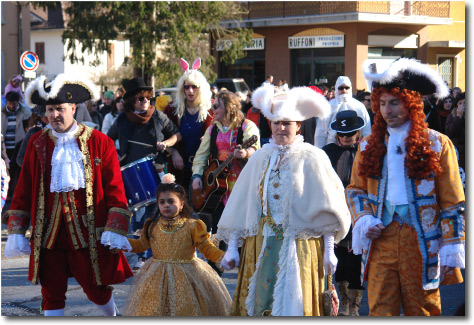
(360,241)
(17,245)
(453,255)
(115,241)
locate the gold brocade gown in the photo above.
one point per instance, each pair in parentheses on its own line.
(174,282)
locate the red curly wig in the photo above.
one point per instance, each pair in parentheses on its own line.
(420,159)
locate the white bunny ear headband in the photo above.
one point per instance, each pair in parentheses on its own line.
(185,64)
(299,104)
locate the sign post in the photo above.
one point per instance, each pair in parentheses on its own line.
(29,61)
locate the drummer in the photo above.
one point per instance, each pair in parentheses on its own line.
(142,131)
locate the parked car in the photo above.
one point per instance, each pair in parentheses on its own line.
(170,91)
(233,85)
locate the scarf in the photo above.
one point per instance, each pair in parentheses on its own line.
(444,113)
(141,118)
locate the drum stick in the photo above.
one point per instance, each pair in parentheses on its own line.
(141,143)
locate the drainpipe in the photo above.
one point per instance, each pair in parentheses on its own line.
(20,34)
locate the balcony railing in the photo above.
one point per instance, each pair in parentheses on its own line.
(283,9)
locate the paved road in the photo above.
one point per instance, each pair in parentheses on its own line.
(21,298)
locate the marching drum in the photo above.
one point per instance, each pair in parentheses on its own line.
(140,180)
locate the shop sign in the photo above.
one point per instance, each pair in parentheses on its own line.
(305,42)
(257,44)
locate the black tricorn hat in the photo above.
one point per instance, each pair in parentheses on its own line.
(133,86)
(347,121)
(408,74)
(63,89)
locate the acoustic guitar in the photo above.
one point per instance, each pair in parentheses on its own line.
(214,183)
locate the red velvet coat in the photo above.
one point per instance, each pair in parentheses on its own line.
(86,213)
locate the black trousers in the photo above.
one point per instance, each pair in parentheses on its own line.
(348,267)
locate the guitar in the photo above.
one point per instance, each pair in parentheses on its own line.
(214,183)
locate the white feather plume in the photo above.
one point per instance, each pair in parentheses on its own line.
(406,64)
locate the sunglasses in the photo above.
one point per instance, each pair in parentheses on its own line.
(350,134)
(344,87)
(190,86)
(142,98)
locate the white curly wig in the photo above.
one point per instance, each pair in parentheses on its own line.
(194,77)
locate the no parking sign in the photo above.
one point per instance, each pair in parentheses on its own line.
(29,61)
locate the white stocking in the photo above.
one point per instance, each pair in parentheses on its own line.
(109,308)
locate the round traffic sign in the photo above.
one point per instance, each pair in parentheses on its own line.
(29,61)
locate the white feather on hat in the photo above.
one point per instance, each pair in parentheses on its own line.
(409,74)
(298,104)
(56,85)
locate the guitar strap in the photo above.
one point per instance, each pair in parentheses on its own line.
(214,131)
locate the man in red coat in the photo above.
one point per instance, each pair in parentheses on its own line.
(71,191)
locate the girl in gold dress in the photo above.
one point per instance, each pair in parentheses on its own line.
(174,282)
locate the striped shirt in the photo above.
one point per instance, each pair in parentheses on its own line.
(11,128)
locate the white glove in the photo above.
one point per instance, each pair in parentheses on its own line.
(330,259)
(17,245)
(231,257)
(115,240)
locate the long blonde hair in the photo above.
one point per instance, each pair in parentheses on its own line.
(193,77)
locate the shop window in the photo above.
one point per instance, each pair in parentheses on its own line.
(317,66)
(251,68)
(446,70)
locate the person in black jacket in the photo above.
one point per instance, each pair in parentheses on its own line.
(141,122)
(341,154)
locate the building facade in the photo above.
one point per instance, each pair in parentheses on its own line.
(47,27)
(312,43)
(15,38)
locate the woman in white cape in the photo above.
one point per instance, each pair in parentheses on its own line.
(286,210)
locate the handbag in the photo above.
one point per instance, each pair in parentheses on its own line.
(330,299)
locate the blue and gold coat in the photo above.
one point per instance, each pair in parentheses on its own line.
(435,205)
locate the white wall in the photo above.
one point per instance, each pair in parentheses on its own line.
(53,52)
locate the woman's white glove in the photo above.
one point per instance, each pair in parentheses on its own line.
(231,257)
(330,259)
(17,245)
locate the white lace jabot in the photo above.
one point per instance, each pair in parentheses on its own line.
(67,172)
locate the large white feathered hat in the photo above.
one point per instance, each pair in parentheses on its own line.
(298,104)
(406,73)
(63,89)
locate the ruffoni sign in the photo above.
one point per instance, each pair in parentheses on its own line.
(305,42)
(257,44)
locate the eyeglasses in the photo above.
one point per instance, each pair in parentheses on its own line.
(367,100)
(350,134)
(190,86)
(344,87)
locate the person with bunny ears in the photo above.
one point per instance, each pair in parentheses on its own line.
(174,282)
(190,111)
(286,211)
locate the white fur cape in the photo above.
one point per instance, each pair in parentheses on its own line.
(314,203)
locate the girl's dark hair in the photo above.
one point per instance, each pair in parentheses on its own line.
(177,189)
(114,109)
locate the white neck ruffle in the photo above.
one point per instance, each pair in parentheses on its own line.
(67,172)
(396,153)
